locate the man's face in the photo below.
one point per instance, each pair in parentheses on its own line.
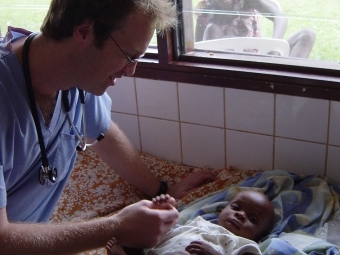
(109,62)
(249,215)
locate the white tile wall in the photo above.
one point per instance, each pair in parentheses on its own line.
(212,126)
(160,138)
(250,111)
(201,104)
(302,118)
(157,99)
(203,146)
(333,164)
(249,151)
(299,156)
(129,124)
(334,132)
(123,96)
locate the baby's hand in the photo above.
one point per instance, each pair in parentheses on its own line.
(163,200)
(199,247)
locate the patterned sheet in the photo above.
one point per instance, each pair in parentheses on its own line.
(94,190)
(302,204)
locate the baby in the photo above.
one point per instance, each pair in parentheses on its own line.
(247,218)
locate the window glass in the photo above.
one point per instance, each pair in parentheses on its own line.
(153,41)
(25,14)
(310,29)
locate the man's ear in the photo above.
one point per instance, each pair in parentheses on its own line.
(83,32)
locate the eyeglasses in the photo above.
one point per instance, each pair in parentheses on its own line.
(130,61)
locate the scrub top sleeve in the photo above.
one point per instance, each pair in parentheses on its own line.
(3,195)
(98,114)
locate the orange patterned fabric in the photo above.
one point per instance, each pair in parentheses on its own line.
(95,190)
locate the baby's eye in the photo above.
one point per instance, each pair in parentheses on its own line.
(253,220)
(234,207)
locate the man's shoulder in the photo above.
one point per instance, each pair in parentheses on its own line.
(5,46)
(12,34)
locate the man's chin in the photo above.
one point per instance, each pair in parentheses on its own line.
(97,92)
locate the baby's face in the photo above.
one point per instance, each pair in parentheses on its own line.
(249,214)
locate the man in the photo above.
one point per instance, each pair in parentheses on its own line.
(84,45)
(239,18)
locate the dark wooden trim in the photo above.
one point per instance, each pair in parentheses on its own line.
(313,82)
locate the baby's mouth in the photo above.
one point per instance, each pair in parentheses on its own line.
(235,223)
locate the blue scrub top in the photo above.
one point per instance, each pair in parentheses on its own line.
(20,191)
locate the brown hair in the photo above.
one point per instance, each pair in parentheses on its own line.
(106,15)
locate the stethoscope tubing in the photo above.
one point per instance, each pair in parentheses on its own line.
(82,138)
(45,171)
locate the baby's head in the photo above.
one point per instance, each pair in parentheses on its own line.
(249,214)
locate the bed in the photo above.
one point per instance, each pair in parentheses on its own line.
(307,211)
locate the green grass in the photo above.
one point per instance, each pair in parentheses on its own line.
(319,15)
(19,13)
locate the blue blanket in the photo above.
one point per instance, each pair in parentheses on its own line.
(302,204)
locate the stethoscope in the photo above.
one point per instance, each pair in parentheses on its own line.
(47,172)
(82,138)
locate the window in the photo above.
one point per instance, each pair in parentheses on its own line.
(20,13)
(311,28)
(314,76)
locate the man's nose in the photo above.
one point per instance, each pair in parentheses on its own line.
(130,69)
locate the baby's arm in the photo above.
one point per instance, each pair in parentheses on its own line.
(199,247)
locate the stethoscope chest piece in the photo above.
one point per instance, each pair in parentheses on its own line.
(47,173)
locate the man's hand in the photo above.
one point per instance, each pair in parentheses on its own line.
(191,183)
(141,225)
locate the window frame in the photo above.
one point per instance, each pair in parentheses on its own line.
(169,64)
